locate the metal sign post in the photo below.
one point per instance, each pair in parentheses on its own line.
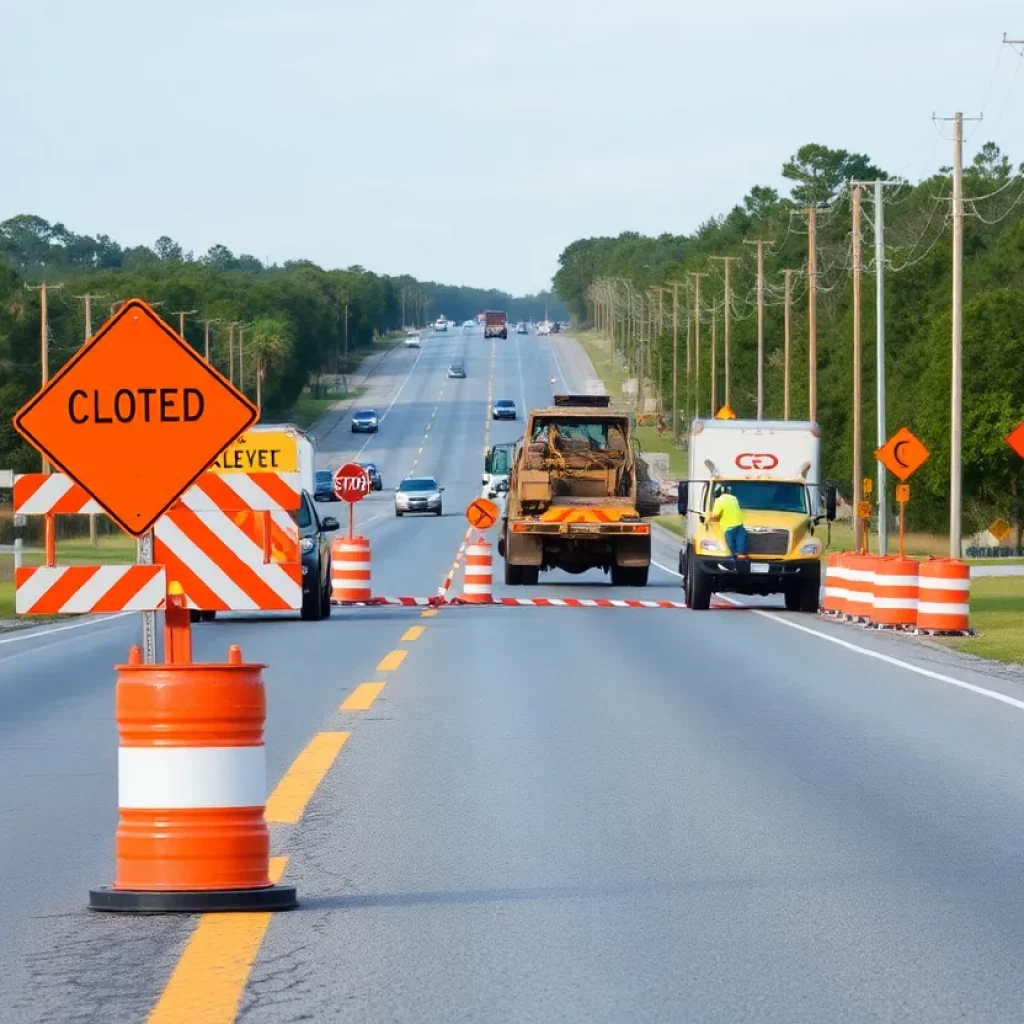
(144,556)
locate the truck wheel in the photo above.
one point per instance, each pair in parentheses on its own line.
(794,599)
(810,594)
(619,576)
(531,574)
(698,589)
(513,574)
(638,575)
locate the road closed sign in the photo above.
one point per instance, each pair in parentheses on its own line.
(134,417)
(271,451)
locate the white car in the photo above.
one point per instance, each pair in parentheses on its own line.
(441,324)
(412,340)
(543,329)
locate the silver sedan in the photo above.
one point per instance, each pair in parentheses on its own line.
(418,494)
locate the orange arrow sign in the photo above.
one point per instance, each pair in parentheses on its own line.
(903,454)
(482,513)
(134,417)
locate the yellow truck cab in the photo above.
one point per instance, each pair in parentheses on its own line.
(772,469)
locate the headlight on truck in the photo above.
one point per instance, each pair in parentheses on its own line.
(306,544)
(711,544)
(812,547)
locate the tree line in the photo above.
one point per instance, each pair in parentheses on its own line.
(296,321)
(634,275)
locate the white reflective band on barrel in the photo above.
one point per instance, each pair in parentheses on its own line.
(895,602)
(941,583)
(940,608)
(182,778)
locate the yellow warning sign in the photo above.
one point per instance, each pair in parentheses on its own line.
(1000,529)
(725,413)
(260,452)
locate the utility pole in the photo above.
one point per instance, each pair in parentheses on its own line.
(714,358)
(87,304)
(695,277)
(880,431)
(956,411)
(759,242)
(206,337)
(181,314)
(787,321)
(675,362)
(231,351)
(44,335)
(858,496)
(728,261)
(812,314)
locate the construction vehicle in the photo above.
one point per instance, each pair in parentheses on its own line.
(772,467)
(573,493)
(495,324)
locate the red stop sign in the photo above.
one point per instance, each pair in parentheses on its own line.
(351,483)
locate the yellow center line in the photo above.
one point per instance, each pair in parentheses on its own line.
(291,795)
(428,613)
(391,661)
(413,633)
(362,697)
(207,984)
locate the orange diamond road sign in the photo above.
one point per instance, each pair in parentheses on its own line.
(725,413)
(482,513)
(134,417)
(1016,439)
(1000,529)
(903,454)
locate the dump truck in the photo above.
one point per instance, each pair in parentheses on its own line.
(495,324)
(772,468)
(573,495)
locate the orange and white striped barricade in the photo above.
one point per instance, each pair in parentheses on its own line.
(944,596)
(232,543)
(894,602)
(477,576)
(53,589)
(351,579)
(191,835)
(860,573)
(834,602)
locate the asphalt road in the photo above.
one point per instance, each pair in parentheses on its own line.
(557,815)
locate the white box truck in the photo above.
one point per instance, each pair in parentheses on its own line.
(773,469)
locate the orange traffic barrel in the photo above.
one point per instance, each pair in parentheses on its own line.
(477,578)
(895,591)
(192,787)
(944,595)
(860,577)
(350,570)
(835,599)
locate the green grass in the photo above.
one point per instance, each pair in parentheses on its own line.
(307,410)
(115,549)
(599,350)
(997,610)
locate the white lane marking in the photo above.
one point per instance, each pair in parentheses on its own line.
(522,382)
(665,568)
(558,365)
(887,658)
(391,406)
(60,629)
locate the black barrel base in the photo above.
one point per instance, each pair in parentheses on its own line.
(127,901)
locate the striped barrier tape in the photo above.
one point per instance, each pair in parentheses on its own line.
(518,602)
(447,583)
(404,602)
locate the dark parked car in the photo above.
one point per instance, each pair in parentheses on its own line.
(503,409)
(364,421)
(375,478)
(315,548)
(324,486)
(457,370)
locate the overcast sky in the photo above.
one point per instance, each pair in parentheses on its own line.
(469,141)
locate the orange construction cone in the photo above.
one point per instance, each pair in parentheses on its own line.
(191,788)
(350,570)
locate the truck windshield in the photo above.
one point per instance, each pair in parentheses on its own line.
(770,495)
(499,461)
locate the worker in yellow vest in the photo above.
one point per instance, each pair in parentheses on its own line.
(727,513)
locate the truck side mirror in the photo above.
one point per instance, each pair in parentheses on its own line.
(487,460)
(830,504)
(681,501)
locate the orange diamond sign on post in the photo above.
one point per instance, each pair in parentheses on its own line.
(903,454)
(1016,439)
(134,417)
